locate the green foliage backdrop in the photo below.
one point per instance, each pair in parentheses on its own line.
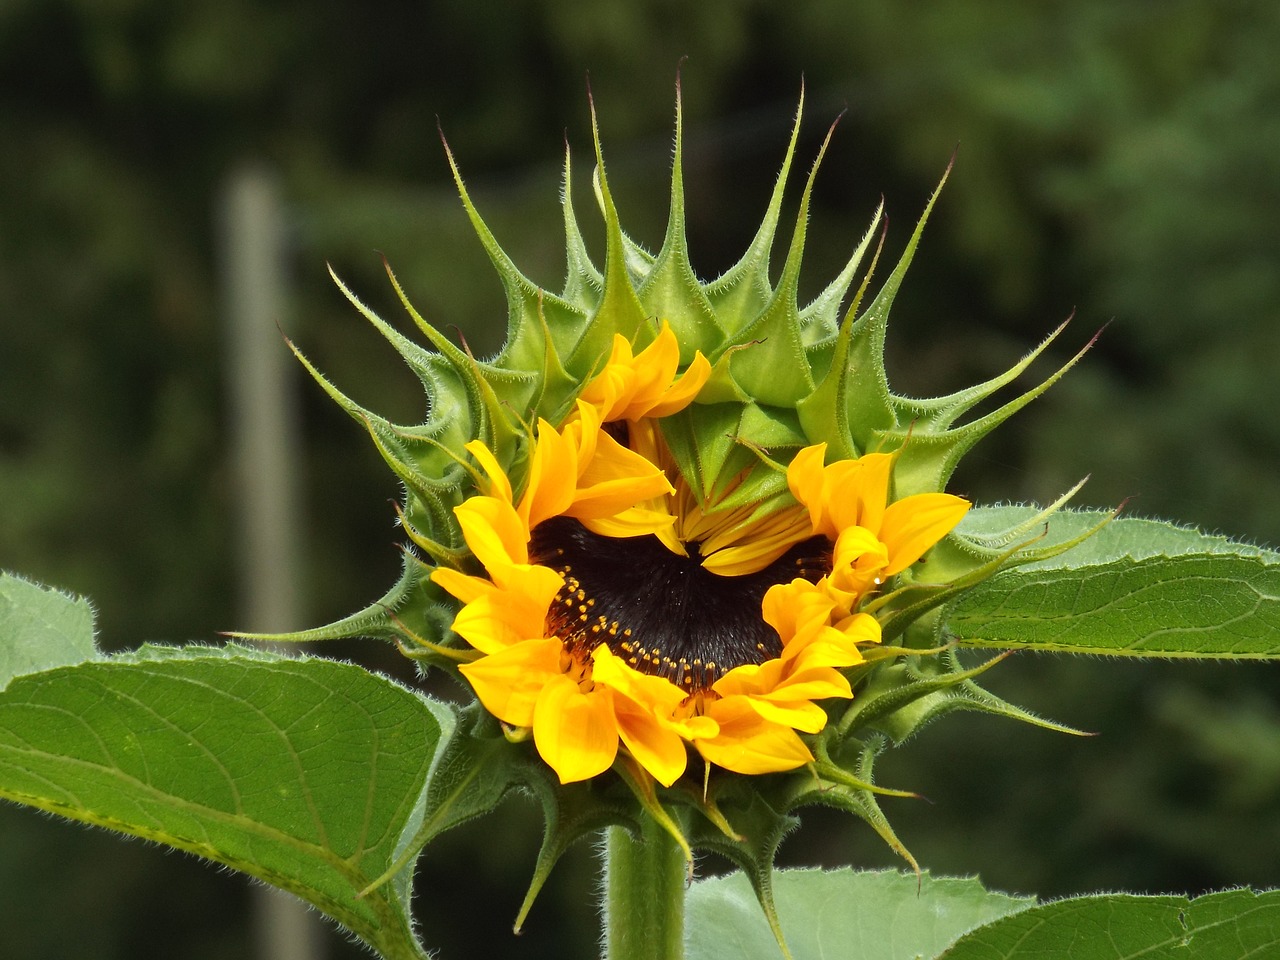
(1116,158)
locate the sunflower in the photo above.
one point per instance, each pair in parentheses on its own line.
(620,608)
(670,523)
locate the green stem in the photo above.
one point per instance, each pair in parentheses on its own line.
(644,887)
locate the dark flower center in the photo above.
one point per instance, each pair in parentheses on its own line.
(663,614)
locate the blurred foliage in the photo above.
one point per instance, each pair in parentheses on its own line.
(1114,157)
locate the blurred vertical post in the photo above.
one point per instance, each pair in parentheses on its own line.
(264,437)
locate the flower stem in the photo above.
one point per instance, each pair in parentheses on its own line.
(644,887)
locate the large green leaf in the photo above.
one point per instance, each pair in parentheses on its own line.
(41,628)
(839,915)
(309,774)
(887,915)
(1234,925)
(1136,588)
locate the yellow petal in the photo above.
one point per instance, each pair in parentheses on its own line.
(795,608)
(500,486)
(913,525)
(779,681)
(803,715)
(751,547)
(500,618)
(853,543)
(645,709)
(771,749)
(869,493)
(553,475)
(494,532)
(620,353)
(634,386)
(682,391)
(636,522)
(575,732)
(812,683)
(609,389)
(658,692)
(860,628)
(829,647)
(654,369)
(509,683)
(804,477)
(844,494)
(460,585)
(655,745)
(858,563)
(615,480)
(582,430)
(747,743)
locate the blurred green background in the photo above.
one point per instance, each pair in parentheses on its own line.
(1117,158)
